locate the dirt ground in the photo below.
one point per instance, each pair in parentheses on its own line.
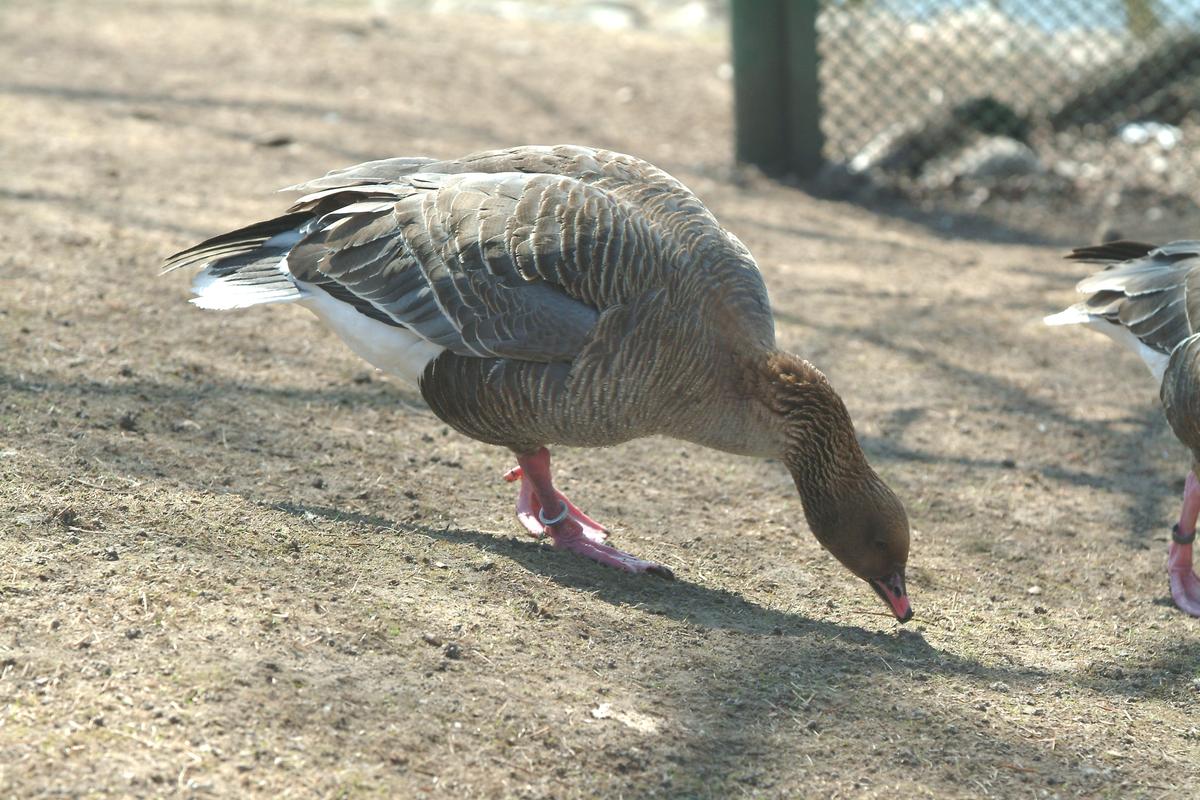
(234,562)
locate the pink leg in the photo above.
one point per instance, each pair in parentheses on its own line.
(542,509)
(1185,587)
(528,507)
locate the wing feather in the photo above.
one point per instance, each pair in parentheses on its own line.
(1151,291)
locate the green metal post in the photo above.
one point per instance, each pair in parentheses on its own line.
(775,84)
(804,88)
(758,83)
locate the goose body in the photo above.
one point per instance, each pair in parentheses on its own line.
(1148,298)
(564,295)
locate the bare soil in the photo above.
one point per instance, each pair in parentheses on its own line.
(234,562)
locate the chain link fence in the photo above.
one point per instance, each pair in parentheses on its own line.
(1085,106)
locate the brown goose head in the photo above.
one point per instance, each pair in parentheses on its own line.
(849,508)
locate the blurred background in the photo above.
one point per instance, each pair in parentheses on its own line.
(1026,111)
(1061,118)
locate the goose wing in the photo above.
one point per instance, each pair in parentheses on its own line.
(1153,292)
(510,264)
(628,178)
(717,260)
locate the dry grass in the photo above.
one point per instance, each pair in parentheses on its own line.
(232,563)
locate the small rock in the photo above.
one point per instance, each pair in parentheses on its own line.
(133,633)
(999,686)
(430,639)
(362,378)
(1008,463)
(110,554)
(452,651)
(274,140)
(1035,590)
(484,566)
(1040,610)
(128,421)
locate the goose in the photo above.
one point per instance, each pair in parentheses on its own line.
(1148,298)
(565,295)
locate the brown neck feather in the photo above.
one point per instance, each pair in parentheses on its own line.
(820,450)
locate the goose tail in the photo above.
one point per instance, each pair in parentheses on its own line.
(246,267)
(1075,315)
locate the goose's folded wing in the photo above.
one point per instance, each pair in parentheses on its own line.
(660,197)
(1155,293)
(657,195)
(508,264)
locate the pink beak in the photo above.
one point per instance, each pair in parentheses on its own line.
(891,589)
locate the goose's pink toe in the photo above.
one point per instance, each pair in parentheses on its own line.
(568,535)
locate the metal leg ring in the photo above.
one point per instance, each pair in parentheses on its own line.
(556,520)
